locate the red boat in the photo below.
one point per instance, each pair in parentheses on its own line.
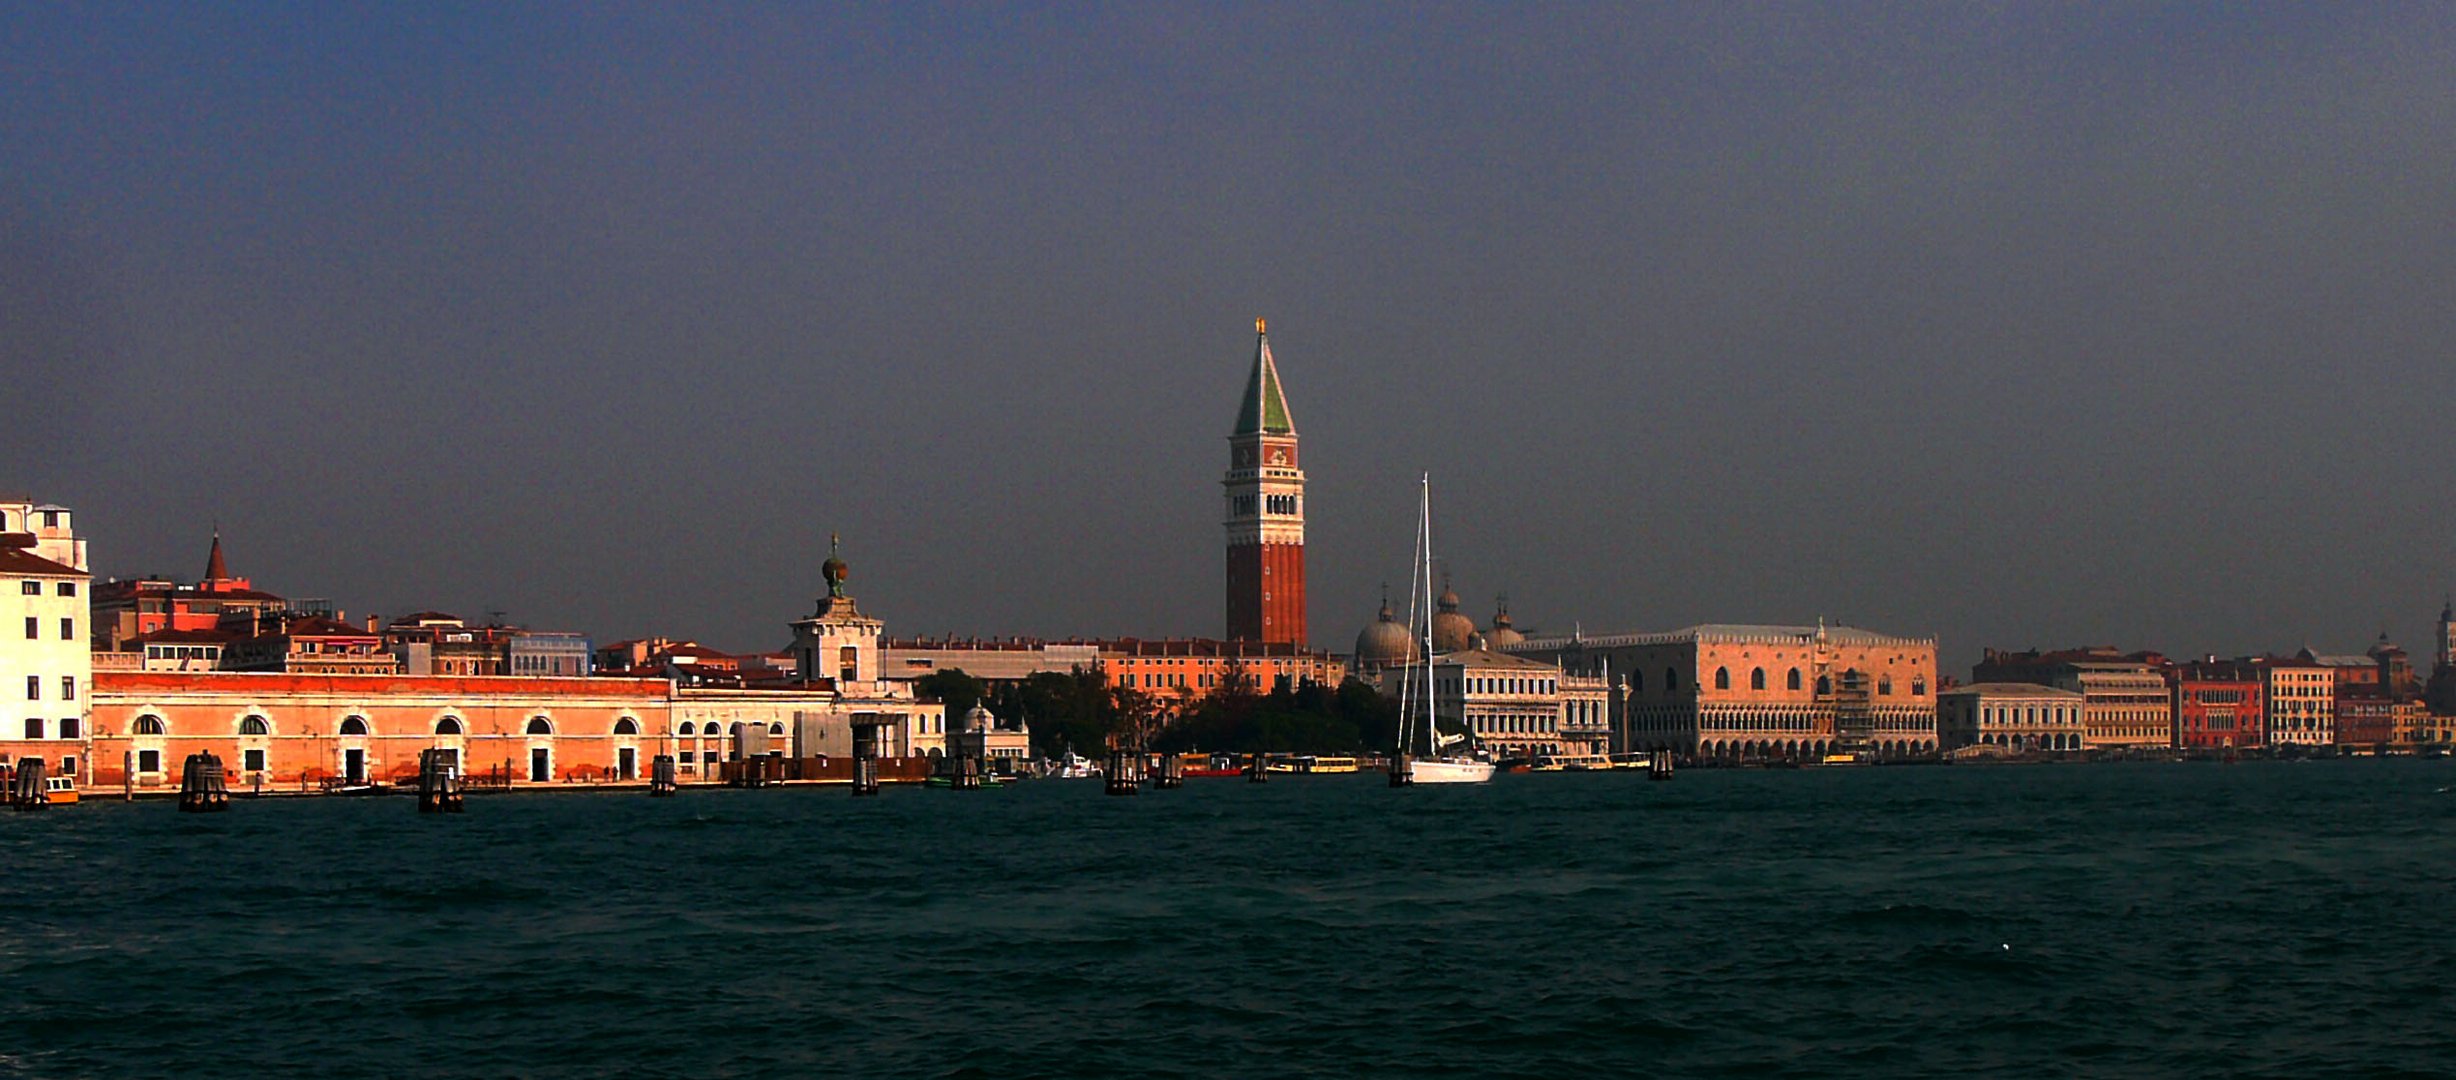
(1212,765)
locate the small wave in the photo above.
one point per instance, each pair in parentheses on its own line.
(1907,915)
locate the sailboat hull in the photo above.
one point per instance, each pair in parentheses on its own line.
(1435,771)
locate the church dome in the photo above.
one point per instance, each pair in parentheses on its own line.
(1503,634)
(1384,641)
(1452,632)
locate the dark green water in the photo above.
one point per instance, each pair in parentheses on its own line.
(2288,920)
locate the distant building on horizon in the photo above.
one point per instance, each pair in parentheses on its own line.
(2130,703)
(1174,669)
(2014,717)
(1751,693)
(129,613)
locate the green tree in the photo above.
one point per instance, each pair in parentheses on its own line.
(1066,710)
(958,689)
(1305,719)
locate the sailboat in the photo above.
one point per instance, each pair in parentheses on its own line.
(1445,758)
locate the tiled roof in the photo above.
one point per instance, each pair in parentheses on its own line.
(1486,658)
(2011,689)
(2343,660)
(21,561)
(185,637)
(319,626)
(1720,632)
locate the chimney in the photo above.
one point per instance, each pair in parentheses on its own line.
(370,624)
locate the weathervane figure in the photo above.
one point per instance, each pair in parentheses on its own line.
(833,569)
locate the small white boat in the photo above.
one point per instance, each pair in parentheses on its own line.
(1074,766)
(1449,771)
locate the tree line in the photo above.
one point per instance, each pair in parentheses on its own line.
(1082,712)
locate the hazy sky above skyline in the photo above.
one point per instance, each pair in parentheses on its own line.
(2015,325)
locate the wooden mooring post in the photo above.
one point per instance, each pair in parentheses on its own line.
(865,754)
(1170,774)
(1255,771)
(203,789)
(27,791)
(758,772)
(966,772)
(1124,776)
(661,781)
(1402,770)
(439,783)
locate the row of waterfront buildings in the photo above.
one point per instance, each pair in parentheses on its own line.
(122,678)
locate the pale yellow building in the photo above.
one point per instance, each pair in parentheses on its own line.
(2015,717)
(1511,705)
(2302,704)
(2128,704)
(46,602)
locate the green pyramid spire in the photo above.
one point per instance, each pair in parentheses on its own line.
(1265,411)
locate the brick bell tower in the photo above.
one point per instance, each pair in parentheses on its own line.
(1266,511)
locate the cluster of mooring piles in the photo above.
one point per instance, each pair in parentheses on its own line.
(1402,770)
(1124,775)
(1658,765)
(756,772)
(27,791)
(865,757)
(964,771)
(1255,771)
(1170,773)
(661,781)
(203,787)
(439,783)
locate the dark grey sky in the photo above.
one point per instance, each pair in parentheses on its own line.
(2011,324)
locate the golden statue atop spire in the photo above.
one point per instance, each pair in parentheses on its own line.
(1260,327)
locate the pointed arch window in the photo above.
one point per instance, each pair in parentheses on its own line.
(1637,682)
(1824,684)
(1884,685)
(1722,678)
(1794,680)
(1671,679)
(1756,679)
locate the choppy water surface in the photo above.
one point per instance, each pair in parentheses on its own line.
(2270,919)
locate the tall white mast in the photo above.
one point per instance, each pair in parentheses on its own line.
(1424,526)
(1409,675)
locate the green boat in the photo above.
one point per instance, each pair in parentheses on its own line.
(988,780)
